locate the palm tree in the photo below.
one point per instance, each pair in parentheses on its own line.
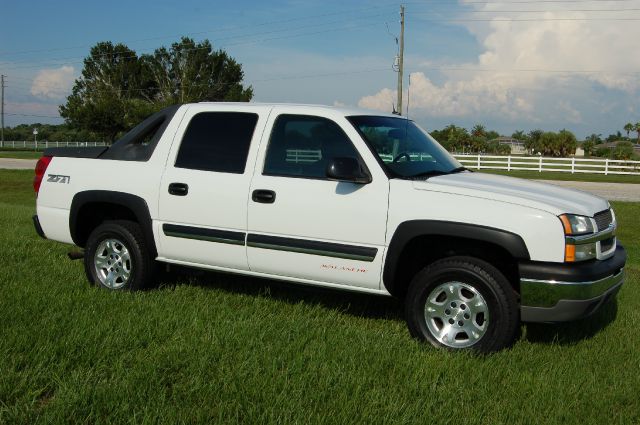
(637,128)
(518,135)
(628,127)
(595,138)
(479,130)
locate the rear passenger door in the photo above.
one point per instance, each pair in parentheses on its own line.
(203,192)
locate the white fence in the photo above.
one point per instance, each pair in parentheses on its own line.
(542,164)
(509,163)
(46,144)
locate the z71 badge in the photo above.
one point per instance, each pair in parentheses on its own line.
(56,178)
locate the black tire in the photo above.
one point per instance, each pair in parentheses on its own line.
(452,282)
(139,268)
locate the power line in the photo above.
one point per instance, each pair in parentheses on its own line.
(230,37)
(68,61)
(634,9)
(490,2)
(302,18)
(62,61)
(37,116)
(501,19)
(417,69)
(533,70)
(74,60)
(254,81)
(350,19)
(217,30)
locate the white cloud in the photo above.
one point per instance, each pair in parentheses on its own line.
(454,98)
(53,83)
(576,54)
(571,114)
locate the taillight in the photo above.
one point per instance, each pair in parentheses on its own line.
(41,168)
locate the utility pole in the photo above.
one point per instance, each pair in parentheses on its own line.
(401,60)
(2,114)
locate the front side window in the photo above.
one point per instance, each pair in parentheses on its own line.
(217,141)
(403,148)
(302,146)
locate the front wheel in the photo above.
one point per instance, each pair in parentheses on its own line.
(462,303)
(116,257)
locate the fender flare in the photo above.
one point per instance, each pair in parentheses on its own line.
(408,230)
(136,204)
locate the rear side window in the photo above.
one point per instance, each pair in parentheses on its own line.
(302,146)
(217,141)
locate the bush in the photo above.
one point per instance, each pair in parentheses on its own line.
(623,150)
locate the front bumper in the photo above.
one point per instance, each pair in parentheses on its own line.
(553,292)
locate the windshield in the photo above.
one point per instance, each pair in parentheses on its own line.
(403,147)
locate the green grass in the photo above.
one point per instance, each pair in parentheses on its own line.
(208,347)
(20,154)
(555,175)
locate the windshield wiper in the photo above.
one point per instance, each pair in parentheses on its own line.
(434,173)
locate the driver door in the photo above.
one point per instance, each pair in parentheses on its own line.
(302,224)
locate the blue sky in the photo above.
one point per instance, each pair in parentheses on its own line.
(513,64)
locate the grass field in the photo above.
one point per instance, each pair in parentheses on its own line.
(208,348)
(20,154)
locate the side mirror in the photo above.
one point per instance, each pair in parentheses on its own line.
(346,169)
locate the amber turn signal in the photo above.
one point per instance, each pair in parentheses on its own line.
(570,253)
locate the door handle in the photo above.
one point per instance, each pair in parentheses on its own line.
(178,189)
(263,196)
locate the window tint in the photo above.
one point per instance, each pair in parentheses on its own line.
(217,141)
(302,146)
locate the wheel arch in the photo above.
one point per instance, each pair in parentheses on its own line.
(92,207)
(417,243)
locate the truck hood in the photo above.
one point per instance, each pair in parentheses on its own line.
(554,199)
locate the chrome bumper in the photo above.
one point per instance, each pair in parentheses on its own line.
(547,293)
(567,293)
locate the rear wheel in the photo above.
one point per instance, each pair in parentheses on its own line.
(462,303)
(116,257)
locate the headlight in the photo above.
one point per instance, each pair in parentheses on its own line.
(576,225)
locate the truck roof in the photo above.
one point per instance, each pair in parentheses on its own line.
(344,110)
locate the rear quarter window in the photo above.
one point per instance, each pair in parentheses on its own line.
(217,141)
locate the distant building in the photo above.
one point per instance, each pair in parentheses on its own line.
(517,146)
(612,145)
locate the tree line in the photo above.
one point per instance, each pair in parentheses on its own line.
(548,143)
(119,88)
(480,140)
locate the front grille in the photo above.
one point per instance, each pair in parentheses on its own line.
(603,219)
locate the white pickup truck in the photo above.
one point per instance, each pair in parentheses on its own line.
(339,198)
